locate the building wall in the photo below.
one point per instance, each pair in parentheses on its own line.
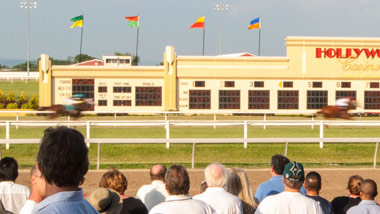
(329,63)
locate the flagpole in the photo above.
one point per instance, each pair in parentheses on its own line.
(81,37)
(203,48)
(259,35)
(137,42)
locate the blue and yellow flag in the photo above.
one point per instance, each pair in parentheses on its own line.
(255,24)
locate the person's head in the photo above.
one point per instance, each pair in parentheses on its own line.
(368,189)
(293,175)
(215,175)
(106,201)
(203,187)
(63,157)
(238,185)
(353,185)
(115,180)
(313,181)
(177,180)
(8,169)
(157,172)
(278,163)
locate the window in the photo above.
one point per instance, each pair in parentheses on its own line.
(200,83)
(148,96)
(199,99)
(85,87)
(119,89)
(316,99)
(258,84)
(317,84)
(122,103)
(102,102)
(124,61)
(229,84)
(287,100)
(229,99)
(372,100)
(346,84)
(374,85)
(288,84)
(102,89)
(258,99)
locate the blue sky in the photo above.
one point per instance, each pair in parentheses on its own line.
(166,22)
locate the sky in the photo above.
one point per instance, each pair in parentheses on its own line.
(167,22)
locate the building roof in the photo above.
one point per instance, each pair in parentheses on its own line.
(93,62)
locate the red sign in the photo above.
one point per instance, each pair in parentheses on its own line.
(347,52)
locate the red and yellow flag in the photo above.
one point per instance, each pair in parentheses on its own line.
(200,23)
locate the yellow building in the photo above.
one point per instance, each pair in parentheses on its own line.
(315,72)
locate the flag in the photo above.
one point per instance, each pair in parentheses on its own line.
(133,21)
(255,24)
(200,23)
(78,21)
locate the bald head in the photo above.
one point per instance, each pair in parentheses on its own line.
(216,175)
(157,172)
(368,189)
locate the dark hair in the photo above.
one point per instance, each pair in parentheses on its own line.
(293,184)
(160,175)
(115,180)
(8,169)
(313,181)
(369,188)
(278,163)
(353,185)
(63,157)
(177,180)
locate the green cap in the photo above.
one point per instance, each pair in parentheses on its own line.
(293,171)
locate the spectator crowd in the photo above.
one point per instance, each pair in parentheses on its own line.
(62,162)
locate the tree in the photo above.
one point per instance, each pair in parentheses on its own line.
(83,57)
(23,66)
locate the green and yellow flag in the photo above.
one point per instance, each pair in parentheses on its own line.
(78,21)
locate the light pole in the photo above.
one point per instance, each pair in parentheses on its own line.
(28,5)
(220,8)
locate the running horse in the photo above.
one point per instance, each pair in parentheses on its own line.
(336,112)
(61,110)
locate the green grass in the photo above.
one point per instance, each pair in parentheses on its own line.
(30,87)
(255,156)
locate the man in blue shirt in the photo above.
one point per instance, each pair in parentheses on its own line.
(274,185)
(368,192)
(63,162)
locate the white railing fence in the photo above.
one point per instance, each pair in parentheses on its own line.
(167,140)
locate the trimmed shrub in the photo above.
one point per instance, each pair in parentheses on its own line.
(11,97)
(33,102)
(12,106)
(25,106)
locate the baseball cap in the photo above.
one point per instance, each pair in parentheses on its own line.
(293,171)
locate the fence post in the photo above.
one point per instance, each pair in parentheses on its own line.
(286,148)
(321,134)
(245,133)
(166,117)
(7,134)
(98,157)
(167,134)
(214,120)
(88,132)
(114,119)
(17,120)
(375,156)
(312,120)
(265,119)
(193,157)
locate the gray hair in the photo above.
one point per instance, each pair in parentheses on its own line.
(216,175)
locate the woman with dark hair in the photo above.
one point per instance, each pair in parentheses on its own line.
(342,203)
(115,180)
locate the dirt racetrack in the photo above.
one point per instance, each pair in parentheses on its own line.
(334,181)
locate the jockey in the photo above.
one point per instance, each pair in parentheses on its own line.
(74,101)
(343,103)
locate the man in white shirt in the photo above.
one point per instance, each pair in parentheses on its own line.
(179,200)
(215,195)
(12,195)
(36,195)
(291,200)
(155,192)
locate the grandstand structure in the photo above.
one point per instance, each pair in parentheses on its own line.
(315,72)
